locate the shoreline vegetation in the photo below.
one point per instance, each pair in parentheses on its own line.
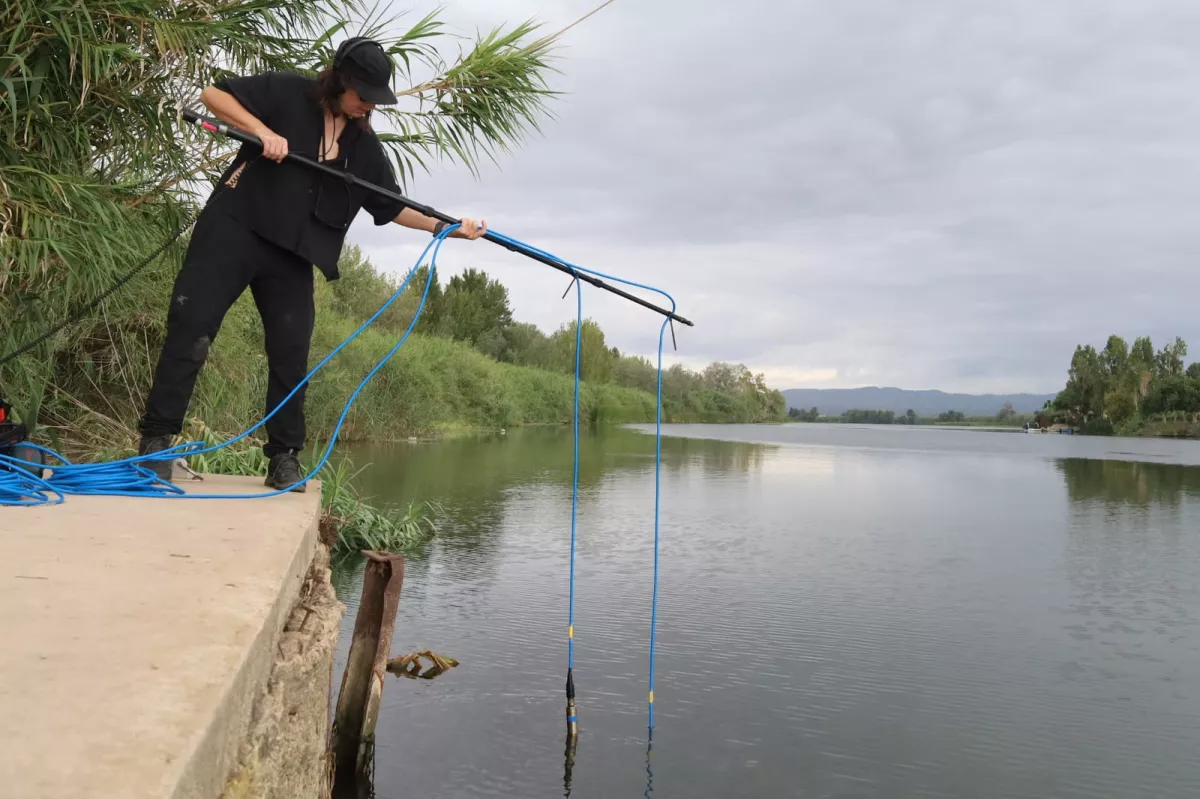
(1006,417)
(99,174)
(1129,391)
(1118,390)
(467,367)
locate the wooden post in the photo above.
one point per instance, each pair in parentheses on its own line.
(362,682)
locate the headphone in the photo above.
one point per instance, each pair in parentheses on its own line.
(348,46)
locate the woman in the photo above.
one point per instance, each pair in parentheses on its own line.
(266,225)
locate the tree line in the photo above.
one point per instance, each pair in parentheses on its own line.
(862,416)
(1119,388)
(475,309)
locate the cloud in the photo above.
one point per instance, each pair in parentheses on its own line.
(930,194)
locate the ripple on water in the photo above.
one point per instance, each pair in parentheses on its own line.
(831,623)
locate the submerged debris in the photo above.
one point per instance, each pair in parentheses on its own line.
(410,665)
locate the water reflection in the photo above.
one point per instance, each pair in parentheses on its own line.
(1128,482)
(569,762)
(486,466)
(907,621)
(474,478)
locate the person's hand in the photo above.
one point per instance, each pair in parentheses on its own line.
(471,229)
(274,146)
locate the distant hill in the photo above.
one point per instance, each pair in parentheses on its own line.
(835,401)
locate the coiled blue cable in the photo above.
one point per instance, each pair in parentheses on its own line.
(125,477)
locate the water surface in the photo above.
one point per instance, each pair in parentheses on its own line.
(843,612)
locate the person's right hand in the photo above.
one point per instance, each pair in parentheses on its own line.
(275,146)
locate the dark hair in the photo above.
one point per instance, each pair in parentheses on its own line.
(330,89)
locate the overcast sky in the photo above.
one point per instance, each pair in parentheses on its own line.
(926,194)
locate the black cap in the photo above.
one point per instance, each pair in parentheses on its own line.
(365,67)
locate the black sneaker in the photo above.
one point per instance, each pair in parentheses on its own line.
(148,446)
(284,472)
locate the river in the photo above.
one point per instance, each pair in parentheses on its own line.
(843,612)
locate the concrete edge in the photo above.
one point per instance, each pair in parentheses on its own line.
(215,755)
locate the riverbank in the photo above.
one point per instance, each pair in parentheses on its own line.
(1162,428)
(444,379)
(159,647)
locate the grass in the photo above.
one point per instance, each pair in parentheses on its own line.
(349,524)
(432,386)
(1173,424)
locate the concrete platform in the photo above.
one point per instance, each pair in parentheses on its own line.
(135,635)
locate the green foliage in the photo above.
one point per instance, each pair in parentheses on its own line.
(1096,427)
(1170,359)
(1006,416)
(869,417)
(361,291)
(359,524)
(1173,393)
(1123,389)
(476,310)
(1119,406)
(595,359)
(1115,356)
(244,458)
(95,171)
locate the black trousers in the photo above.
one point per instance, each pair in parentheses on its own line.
(223,258)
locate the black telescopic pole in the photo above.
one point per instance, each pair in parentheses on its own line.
(216,126)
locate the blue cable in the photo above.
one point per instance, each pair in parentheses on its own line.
(574,481)
(657,445)
(126,477)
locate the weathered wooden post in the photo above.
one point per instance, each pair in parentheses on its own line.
(362,682)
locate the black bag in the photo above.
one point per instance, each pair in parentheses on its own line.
(13,444)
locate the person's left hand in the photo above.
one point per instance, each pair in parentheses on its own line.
(471,229)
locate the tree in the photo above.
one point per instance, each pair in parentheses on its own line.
(951,416)
(1174,393)
(856,416)
(595,361)
(1115,357)
(431,321)
(1170,358)
(529,346)
(723,376)
(801,415)
(1142,364)
(360,292)
(911,416)
(97,172)
(1007,412)
(1119,406)
(1106,390)
(1083,395)
(474,306)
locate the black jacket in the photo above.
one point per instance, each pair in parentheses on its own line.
(292,206)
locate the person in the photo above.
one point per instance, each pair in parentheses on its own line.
(266,225)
